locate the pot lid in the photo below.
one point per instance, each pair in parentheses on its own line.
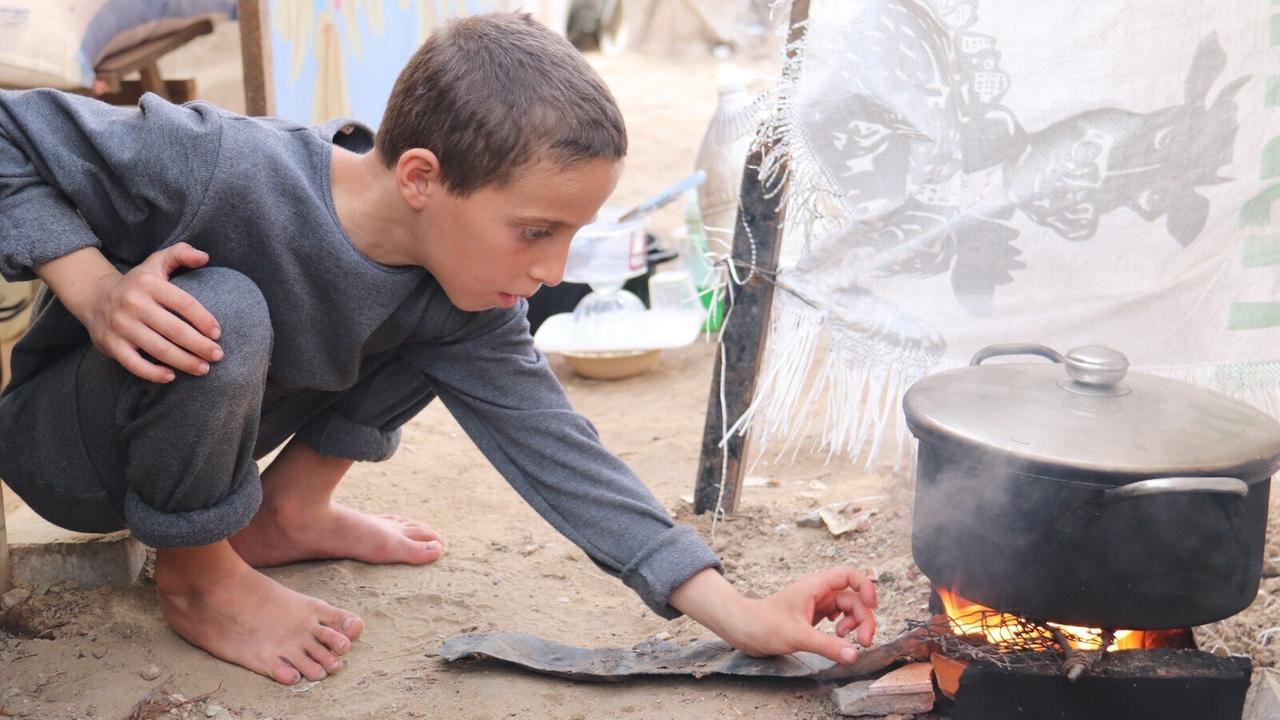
(1085,412)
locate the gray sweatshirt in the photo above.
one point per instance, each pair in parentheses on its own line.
(255,194)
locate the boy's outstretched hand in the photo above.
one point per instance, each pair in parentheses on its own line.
(140,311)
(784,621)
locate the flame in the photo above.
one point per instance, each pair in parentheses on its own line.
(971,619)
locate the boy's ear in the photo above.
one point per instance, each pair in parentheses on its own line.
(418,176)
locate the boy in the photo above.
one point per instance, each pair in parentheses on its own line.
(340,283)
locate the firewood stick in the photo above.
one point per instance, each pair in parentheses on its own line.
(1076,663)
(913,645)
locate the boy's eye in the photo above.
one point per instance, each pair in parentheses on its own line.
(535,233)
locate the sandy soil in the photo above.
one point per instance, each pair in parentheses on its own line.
(74,653)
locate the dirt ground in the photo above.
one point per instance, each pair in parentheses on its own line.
(77,653)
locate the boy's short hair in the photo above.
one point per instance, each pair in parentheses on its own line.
(491,94)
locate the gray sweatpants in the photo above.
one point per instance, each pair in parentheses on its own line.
(92,448)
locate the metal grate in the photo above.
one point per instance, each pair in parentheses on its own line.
(1010,642)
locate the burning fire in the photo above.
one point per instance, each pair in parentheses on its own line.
(971,619)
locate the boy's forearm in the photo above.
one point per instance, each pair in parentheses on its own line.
(76,278)
(710,600)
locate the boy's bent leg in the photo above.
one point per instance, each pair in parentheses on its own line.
(186,452)
(299,519)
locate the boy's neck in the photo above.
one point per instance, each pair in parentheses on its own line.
(370,209)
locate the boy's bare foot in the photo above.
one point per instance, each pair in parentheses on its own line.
(277,536)
(214,600)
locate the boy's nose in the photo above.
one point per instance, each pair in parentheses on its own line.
(548,273)
(549,269)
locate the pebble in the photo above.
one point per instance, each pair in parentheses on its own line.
(13,598)
(151,672)
(99,652)
(809,519)
(213,710)
(783,529)
(830,551)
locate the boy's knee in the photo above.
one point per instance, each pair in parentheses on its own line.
(241,311)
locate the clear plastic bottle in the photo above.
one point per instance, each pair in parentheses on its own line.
(711,215)
(721,156)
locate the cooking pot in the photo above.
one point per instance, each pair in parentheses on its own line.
(1079,492)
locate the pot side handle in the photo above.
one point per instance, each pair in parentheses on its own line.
(991,351)
(1166,485)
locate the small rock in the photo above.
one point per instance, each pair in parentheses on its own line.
(808,519)
(99,652)
(151,672)
(838,523)
(528,550)
(214,710)
(13,598)
(829,551)
(562,599)
(664,635)
(1270,568)
(817,485)
(783,529)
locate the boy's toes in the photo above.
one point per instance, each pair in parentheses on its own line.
(309,668)
(324,658)
(336,642)
(425,534)
(284,673)
(345,623)
(421,552)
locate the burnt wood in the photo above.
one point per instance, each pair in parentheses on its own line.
(1128,685)
(757,241)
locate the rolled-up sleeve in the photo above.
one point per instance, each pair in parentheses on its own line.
(503,394)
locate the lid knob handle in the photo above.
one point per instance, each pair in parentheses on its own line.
(1096,365)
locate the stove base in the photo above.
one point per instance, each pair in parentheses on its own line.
(1158,684)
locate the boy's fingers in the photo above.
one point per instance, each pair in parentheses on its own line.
(164,351)
(180,255)
(132,361)
(865,626)
(866,631)
(829,646)
(182,334)
(180,302)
